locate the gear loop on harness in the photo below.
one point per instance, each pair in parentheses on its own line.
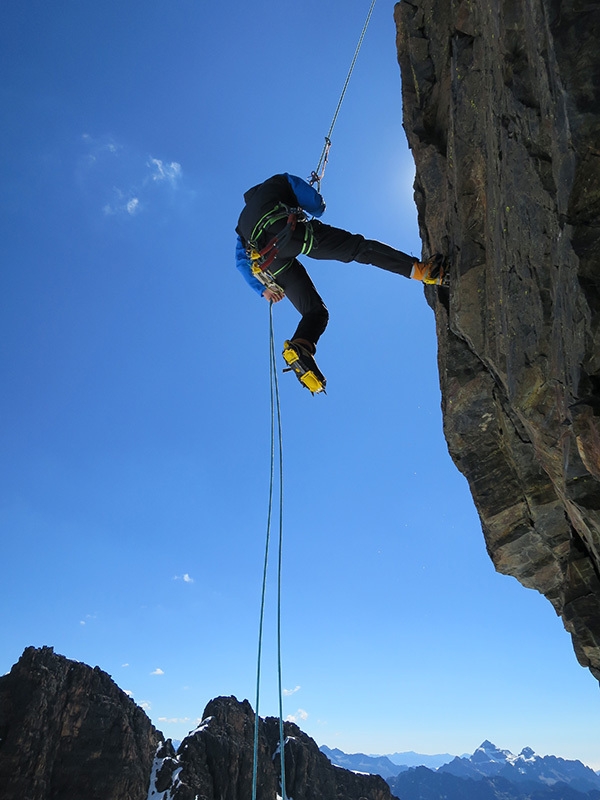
(262,259)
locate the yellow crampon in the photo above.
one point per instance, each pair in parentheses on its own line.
(307,377)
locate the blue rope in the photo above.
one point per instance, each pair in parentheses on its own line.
(275,382)
(275,424)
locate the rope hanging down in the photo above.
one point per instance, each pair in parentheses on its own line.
(317,175)
(275,428)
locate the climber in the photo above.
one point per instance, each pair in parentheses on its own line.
(273,229)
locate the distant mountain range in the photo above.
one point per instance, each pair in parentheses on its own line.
(388,766)
(412,759)
(488,774)
(489,761)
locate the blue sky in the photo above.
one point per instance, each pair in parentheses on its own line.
(135,407)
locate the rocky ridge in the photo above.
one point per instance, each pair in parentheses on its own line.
(215,761)
(67,731)
(502,113)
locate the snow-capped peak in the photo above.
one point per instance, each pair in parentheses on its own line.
(527,754)
(489,752)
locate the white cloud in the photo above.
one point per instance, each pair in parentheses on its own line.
(125,665)
(133,205)
(157,671)
(145,705)
(165,172)
(96,148)
(185,578)
(288,692)
(174,720)
(122,204)
(301,715)
(127,182)
(128,692)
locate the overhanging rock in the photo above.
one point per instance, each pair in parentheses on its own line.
(502,112)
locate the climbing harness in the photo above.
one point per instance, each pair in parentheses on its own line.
(317,175)
(261,259)
(276,457)
(305,368)
(264,257)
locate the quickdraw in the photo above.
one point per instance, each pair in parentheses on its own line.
(316,176)
(266,278)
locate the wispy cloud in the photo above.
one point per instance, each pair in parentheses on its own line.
(300,715)
(98,146)
(174,720)
(289,692)
(127,182)
(157,671)
(122,204)
(185,578)
(165,172)
(145,705)
(133,205)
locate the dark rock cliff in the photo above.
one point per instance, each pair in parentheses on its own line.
(67,732)
(502,112)
(215,762)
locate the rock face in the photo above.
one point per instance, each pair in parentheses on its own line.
(67,732)
(215,763)
(502,112)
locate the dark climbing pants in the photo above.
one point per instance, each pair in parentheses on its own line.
(330,244)
(301,292)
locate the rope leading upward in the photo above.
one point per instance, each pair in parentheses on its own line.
(317,175)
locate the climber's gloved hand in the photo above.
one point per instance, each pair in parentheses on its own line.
(273,295)
(432,271)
